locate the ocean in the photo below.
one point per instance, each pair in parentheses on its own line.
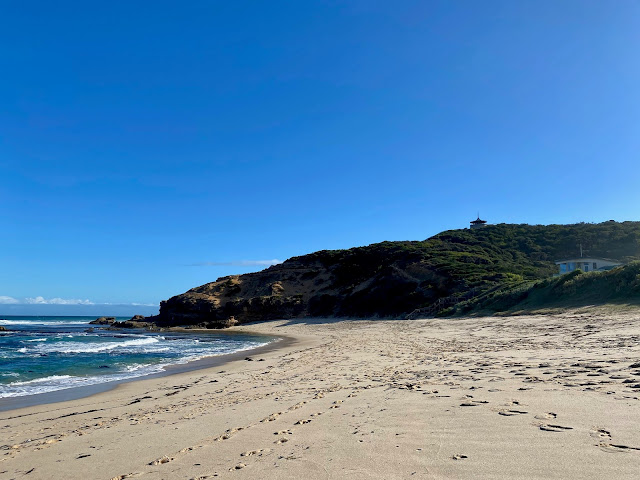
(46,354)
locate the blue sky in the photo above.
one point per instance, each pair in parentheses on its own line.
(149,147)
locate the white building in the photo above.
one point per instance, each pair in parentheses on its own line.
(587,264)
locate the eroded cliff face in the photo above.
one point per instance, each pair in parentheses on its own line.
(370,281)
(282,291)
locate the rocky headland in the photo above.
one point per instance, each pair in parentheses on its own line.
(394,279)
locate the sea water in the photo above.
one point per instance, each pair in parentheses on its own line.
(45,354)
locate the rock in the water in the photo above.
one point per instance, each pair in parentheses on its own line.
(132,324)
(103,321)
(137,321)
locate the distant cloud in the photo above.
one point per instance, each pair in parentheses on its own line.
(238,263)
(56,301)
(61,306)
(39,300)
(4,300)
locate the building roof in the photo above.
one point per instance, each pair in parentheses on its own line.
(478,220)
(587,259)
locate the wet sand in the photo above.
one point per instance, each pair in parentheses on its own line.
(496,397)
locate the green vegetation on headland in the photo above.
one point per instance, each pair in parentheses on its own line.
(460,268)
(619,286)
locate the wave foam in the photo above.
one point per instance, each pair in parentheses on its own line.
(92,347)
(52,378)
(184,349)
(63,382)
(43,323)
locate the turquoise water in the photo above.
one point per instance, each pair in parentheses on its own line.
(44,354)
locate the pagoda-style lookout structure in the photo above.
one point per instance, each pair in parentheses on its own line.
(477,223)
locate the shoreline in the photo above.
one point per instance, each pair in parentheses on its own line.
(84,391)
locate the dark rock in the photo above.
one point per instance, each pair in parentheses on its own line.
(2,329)
(103,321)
(132,324)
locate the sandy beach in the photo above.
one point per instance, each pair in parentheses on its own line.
(553,396)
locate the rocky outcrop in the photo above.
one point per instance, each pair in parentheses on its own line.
(137,321)
(2,329)
(130,324)
(103,321)
(383,280)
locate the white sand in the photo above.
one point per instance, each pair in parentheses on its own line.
(517,397)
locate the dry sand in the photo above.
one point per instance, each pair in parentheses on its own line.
(503,397)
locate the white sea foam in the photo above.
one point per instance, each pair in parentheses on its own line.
(38,340)
(188,349)
(90,347)
(63,382)
(44,323)
(52,378)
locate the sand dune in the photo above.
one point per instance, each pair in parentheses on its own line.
(501,397)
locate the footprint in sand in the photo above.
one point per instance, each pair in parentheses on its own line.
(511,413)
(271,418)
(228,434)
(281,441)
(546,416)
(473,403)
(600,434)
(284,432)
(459,456)
(258,452)
(161,460)
(611,448)
(547,427)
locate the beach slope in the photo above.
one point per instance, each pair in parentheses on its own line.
(493,397)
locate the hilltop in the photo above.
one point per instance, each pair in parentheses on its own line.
(393,279)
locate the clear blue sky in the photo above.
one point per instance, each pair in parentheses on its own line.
(141,140)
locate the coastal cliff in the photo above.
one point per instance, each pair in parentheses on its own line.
(392,279)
